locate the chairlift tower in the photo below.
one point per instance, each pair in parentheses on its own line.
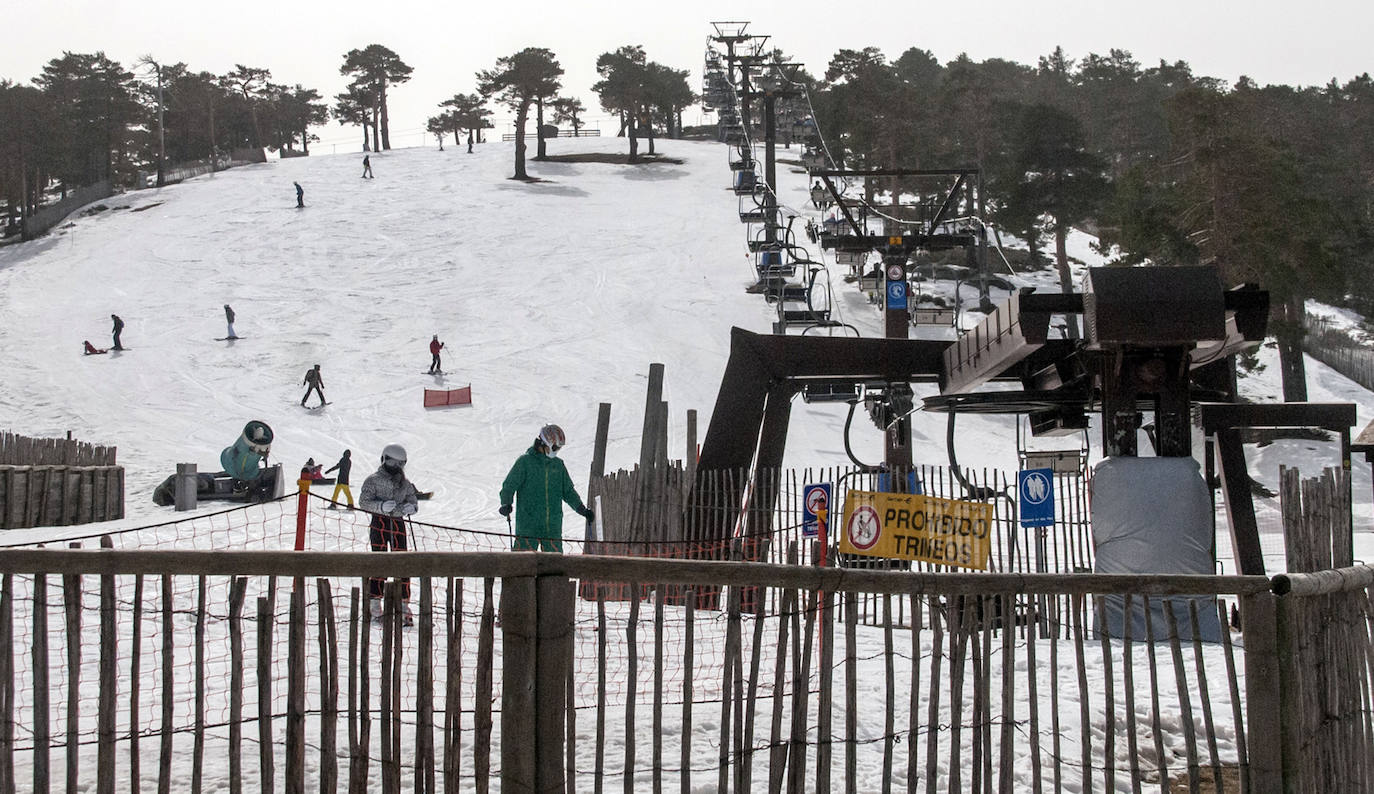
(896,250)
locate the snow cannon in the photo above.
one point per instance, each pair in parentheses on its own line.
(241,460)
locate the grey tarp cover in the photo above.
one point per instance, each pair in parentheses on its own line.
(1154,515)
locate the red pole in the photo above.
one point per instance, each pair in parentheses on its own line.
(301,510)
(821,560)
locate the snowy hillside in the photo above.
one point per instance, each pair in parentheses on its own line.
(552,296)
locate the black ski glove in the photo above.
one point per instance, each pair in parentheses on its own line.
(589,514)
(505,510)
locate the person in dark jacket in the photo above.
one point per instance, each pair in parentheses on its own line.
(367,166)
(315,381)
(343,467)
(389,497)
(300,195)
(117,330)
(541,483)
(229,320)
(435,364)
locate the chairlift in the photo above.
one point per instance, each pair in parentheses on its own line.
(854,260)
(820,197)
(746,181)
(933,315)
(734,134)
(797,306)
(751,211)
(1071,460)
(813,160)
(771,262)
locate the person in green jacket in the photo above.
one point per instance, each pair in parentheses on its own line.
(541,483)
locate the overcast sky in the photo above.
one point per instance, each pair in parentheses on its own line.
(302,41)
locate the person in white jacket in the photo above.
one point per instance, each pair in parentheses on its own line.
(389,497)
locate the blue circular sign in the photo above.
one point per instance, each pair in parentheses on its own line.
(1036,488)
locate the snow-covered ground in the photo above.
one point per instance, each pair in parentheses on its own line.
(552,297)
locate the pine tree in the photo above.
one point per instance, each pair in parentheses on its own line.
(516,82)
(375,69)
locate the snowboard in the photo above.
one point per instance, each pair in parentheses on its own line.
(435,372)
(228,338)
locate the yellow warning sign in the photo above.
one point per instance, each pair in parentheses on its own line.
(916,527)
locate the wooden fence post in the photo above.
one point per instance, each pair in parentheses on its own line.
(555,597)
(108,678)
(295,692)
(519,766)
(1290,717)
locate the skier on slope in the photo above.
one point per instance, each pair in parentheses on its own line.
(389,497)
(300,195)
(344,466)
(229,320)
(435,364)
(116,331)
(541,482)
(367,166)
(315,381)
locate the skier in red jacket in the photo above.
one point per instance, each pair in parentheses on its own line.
(435,365)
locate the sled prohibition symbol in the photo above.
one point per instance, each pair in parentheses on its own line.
(443,398)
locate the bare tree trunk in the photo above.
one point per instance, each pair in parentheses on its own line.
(1061,256)
(1288,331)
(479,134)
(634,141)
(649,128)
(386,125)
(521,116)
(541,152)
(376,126)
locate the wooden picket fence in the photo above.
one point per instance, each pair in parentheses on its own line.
(161,660)
(17,450)
(57,482)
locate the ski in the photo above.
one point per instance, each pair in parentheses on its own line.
(228,338)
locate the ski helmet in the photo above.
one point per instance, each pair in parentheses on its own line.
(552,437)
(394,453)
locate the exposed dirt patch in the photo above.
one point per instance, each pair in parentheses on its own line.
(146,207)
(608,157)
(1230,780)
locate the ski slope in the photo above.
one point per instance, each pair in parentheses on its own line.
(551,296)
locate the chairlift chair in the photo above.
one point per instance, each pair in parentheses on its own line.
(813,160)
(1066,460)
(751,211)
(797,307)
(820,197)
(746,181)
(772,262)
(854,260)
